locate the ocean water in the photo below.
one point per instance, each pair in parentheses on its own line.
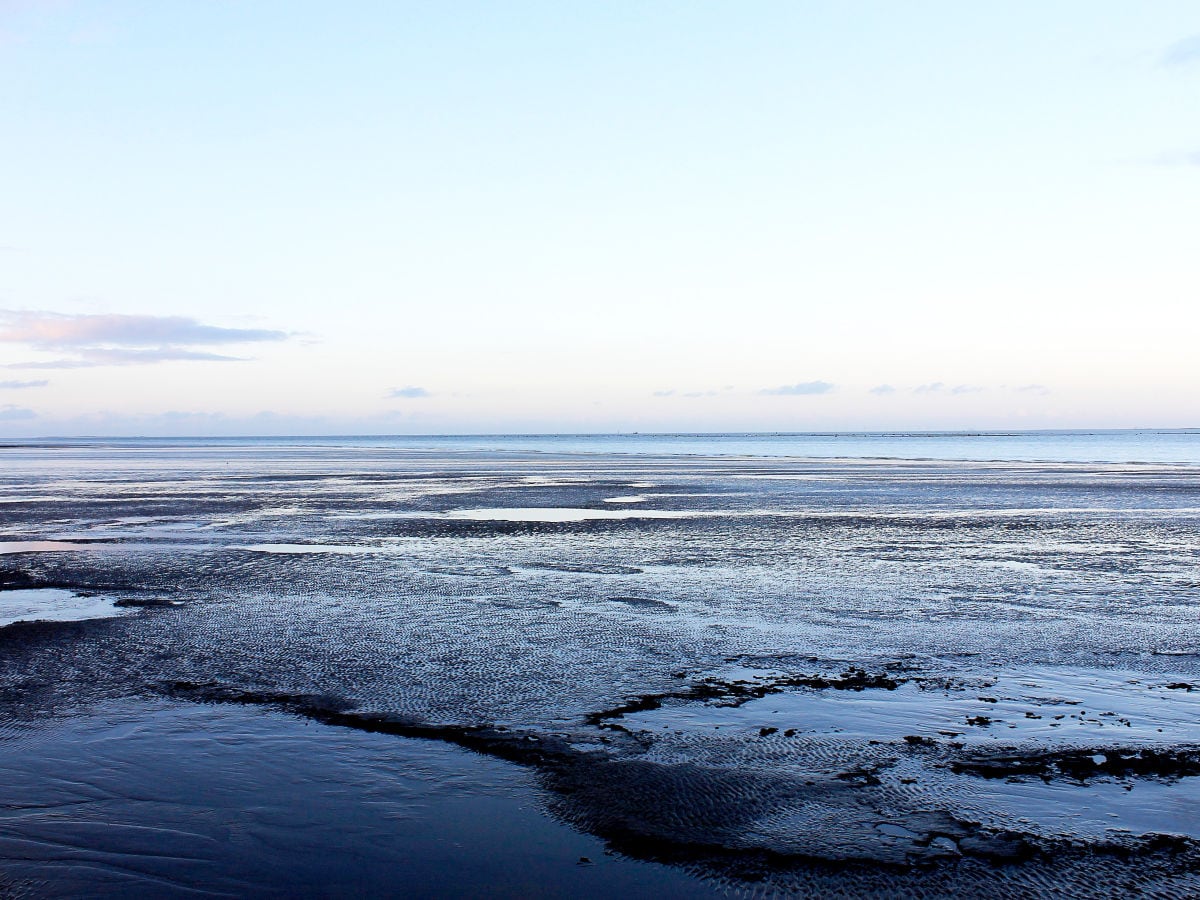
(1114,445)
(813,665)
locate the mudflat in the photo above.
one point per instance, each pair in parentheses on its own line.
(294,668)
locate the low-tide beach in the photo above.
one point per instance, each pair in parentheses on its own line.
(924,665)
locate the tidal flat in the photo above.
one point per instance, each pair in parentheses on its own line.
(305,668)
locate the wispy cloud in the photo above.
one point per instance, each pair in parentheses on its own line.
(21,385)
(121,340)
(1032,389)
(1183,52)
(803,388)
(410,393)
(116,356)
(881,389)
(15,413)
(938,387)
(672,392)
(1177,158)
(59,331)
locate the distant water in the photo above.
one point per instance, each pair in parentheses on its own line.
(1181,446)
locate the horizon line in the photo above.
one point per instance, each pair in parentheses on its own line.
(928,432)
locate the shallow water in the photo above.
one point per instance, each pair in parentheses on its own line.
(35,546)
(990,672)
(161,798)
(52,605)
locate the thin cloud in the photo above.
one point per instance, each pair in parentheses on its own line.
(22,385)
(115,356)
(931,388)
(121,340)
(1177,158)
(1032,389)
(16,413)
(1183,52)
(410,393)
(881,389)
(670,393)
(803,388)
(58,331)
(965,389)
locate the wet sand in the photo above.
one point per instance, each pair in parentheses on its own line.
(856,677)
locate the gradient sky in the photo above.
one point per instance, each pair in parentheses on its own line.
(296,217)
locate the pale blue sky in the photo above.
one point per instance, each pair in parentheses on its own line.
(228,216)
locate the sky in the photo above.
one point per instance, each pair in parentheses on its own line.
(270,217)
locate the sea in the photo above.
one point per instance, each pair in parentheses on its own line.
(1176,445)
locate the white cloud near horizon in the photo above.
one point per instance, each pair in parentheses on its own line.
(15,413)
(938,387)
(803,388)
(22,385)
(411,392)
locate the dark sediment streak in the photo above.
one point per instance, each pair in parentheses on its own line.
(1085,764)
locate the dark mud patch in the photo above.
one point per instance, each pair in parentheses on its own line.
(472,571)
(589,568)
(1083,765)
(734,693)
(645,603)
(47,546)
(15,582)
(14,579)
(150,602)
(436,527)
(48,576)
